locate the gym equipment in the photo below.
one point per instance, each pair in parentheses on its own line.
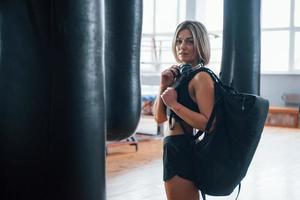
(123,26)
(52,117)
(240,65)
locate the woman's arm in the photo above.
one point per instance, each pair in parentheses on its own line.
(167,78)
(203,94)
(159,108)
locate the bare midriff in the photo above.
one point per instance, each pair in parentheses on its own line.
(176,130)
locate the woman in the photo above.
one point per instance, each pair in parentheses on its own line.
(190,105)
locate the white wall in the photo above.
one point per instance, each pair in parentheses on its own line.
(273,86)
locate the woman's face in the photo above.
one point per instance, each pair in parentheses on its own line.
(185,50)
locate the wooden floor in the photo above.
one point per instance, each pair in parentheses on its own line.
(274,173)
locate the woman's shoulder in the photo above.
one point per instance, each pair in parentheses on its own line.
(202,77)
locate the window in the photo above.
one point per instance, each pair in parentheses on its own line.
(280,33)
(160,19)
(210,13)
(297,51)
(279,36)
(274,51)
(297,13)
(148,16)
(213,18)
(297,35)
(275,13)
(166,16)
(280,23)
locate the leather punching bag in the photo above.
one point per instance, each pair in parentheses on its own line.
(77,140)
(123,24)
(24,102)
(52,120)
(241,45)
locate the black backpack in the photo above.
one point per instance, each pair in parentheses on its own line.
(223,156)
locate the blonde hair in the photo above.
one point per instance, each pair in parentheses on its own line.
(200,37)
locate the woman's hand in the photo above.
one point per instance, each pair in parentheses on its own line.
(169,97)
(168,76)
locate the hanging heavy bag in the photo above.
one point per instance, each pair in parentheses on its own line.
(222,156)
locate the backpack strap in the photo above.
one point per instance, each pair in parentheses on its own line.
(239,189)
(240,185)
(203,195)
(209,123)
(200,68)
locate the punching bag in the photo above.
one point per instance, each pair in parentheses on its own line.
(77,140)
(52,119)
(123,25)
(241,45)
(24,102)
